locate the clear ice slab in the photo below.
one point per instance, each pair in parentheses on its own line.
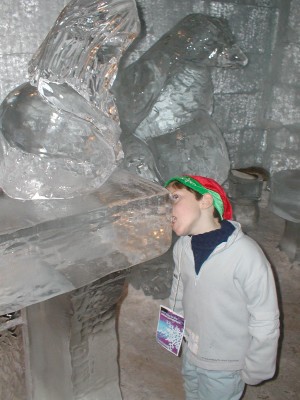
(59,133)
(51,247)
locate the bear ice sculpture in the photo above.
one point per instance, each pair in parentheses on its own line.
(165,98)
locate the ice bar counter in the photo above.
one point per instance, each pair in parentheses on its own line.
(63,264)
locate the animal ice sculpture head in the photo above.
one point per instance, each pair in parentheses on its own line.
(84,46)
(206,40)
(196,42)
(60,133)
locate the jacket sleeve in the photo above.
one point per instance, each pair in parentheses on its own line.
(263,326)
(175,299)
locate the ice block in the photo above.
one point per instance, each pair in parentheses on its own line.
(51,247)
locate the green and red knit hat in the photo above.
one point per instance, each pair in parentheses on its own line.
(204,185)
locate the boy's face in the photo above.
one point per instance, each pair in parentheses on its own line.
(186,215)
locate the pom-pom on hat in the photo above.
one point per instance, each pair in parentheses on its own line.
(204,185)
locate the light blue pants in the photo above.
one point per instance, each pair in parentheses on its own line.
(202,384)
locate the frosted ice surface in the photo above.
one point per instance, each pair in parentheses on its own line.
(81,360)
(12,372)
(184,95)
(171,69)
(50,247)
(60,132)
(285,194)
(170,87)
(139,159)
(196,146)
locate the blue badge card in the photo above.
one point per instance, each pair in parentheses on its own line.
(170,330)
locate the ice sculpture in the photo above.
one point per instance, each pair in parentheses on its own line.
(285,202)
(165,98)
(64,257)
(60,132)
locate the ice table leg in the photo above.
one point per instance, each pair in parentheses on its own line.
(245,192)
(285,202)
(290,241)
(73,346)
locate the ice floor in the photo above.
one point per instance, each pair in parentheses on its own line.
(148,372)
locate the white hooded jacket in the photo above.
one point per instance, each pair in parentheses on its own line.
(230,307)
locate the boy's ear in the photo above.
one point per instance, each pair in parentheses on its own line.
(206,201)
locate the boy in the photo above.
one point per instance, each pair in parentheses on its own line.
(224,287)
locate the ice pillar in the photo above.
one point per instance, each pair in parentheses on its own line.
(73,346)
(285,202)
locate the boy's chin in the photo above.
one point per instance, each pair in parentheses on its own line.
(178,232)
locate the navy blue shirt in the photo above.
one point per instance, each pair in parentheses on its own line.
(205,243)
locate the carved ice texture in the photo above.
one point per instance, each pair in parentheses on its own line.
(285,194)
(60,132)
(165,99)
(51,247)
(81,362)
(285,202)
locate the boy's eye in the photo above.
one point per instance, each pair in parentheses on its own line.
(174,197)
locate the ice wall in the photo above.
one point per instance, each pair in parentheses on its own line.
(24,25)
(283,108)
